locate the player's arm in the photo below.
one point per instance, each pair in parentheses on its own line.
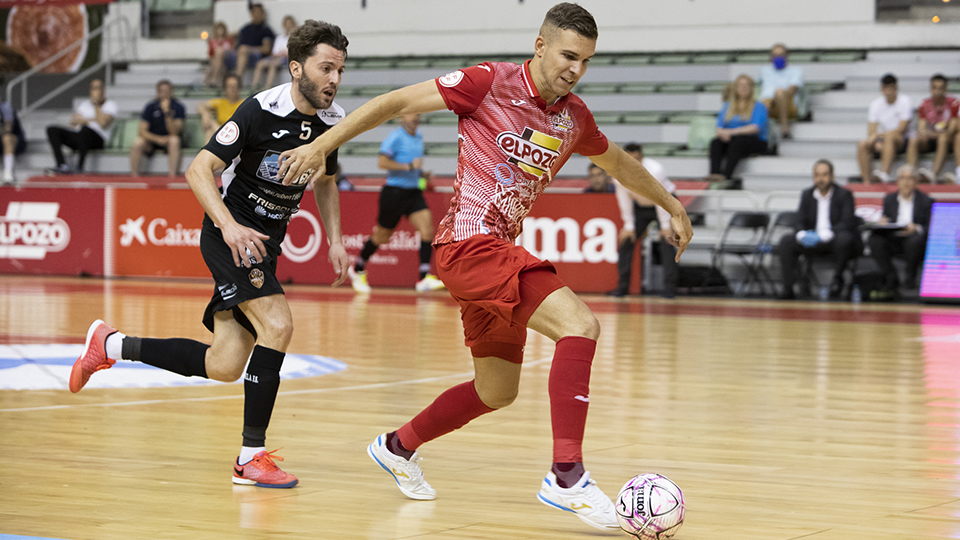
(633,176)
(237,237)
(384,162)
(327,195)
(418,98)
(625,204)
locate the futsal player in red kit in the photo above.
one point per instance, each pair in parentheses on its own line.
(518,125)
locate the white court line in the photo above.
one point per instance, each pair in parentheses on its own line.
(240,396)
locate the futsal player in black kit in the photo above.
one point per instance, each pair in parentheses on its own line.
(245,223)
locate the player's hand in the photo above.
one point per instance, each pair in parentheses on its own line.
(418,163)
(340,261)
(309,159)
(625,236)
(682,232)
(245,244)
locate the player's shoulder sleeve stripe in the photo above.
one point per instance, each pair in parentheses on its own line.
(276,100)
(332,115)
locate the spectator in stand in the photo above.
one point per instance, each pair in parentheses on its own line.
(600,181)
(780,86)
(936,131)
(910,208)
(741,130)
(215,112)
(887,121)
(221,54)
(277,58)
(160,127)
(255,40)
(89,129)
(14,141)
(826,224)
(637,213)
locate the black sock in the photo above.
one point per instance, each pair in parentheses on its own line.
(396,447)
(568,473)
(184,356)
(368,249)
(260,385)
(426,250)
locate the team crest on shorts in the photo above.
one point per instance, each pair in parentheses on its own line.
(256,277)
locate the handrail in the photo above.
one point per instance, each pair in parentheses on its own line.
(105,60)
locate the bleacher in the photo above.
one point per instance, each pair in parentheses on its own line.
(650,98)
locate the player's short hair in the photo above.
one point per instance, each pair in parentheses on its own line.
(939,77)
(569,16)
(304,40)
(255,6)
(823,161)
(889,78)
(633,147)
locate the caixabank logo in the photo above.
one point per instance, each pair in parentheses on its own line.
(30,230)
(532,151)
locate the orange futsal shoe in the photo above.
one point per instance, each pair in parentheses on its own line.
(94,357)
(261,471)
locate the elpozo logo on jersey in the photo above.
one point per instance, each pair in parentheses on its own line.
(534,152)
(30,230)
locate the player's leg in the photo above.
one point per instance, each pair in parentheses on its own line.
(563,317)
(422,221)
(388,216)
(271,318)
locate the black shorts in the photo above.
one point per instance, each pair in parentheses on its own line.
(234,285)
(398,202)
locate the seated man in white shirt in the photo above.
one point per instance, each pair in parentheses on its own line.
(780,86)
(827,225)
(637,213)
(887,121)
(910,208)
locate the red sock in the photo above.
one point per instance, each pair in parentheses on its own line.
(451,410)
(570,396)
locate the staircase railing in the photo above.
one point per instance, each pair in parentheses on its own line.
(117,28)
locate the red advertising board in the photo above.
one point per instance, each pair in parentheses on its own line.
(51,231)
(157,233)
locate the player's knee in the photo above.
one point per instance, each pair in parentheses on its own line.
(498,398)
(586,326)
(277,334)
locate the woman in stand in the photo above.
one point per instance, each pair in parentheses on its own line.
(741,130)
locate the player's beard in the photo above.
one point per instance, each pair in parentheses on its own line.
(312,93)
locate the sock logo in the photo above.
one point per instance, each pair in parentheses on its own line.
(585,399)
(251,378)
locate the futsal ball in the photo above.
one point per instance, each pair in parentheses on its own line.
(650,507)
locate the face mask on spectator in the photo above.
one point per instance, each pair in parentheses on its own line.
(779,62)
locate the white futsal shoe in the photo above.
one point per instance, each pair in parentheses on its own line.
(408,474)
(584,499)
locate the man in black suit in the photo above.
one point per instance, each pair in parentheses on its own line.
(826,224)
(911,208)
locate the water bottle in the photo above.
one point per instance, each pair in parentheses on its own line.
(857,295)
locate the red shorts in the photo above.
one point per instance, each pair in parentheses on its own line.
(498,286)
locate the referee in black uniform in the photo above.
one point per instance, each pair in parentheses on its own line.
(244,225)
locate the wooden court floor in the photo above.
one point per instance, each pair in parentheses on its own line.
(820,421)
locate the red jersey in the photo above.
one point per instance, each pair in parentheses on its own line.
(509,139)
(937,118)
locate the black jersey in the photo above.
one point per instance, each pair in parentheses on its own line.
(251,142)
